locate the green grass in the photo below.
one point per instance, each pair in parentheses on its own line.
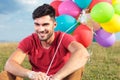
(104,63)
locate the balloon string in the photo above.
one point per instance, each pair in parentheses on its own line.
(58,47)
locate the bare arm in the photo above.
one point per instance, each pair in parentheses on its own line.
(13,64)
(78,59)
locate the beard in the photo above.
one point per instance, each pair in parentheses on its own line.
(45,35)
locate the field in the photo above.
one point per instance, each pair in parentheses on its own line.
(104,63)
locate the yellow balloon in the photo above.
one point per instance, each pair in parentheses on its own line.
(113,25)
(115,1)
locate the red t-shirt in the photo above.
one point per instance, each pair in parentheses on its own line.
(40,57)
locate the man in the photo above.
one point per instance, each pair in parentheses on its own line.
(53,55)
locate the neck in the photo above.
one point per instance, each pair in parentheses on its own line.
(46,44)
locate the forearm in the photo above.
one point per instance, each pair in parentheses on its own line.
(76,61)
(16,69)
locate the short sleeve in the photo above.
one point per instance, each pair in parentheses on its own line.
(67,39)
(25,45)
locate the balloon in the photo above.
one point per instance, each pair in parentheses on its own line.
(67,0)
(104,38)
(113,25)
(102,12)
(57,0)
(70,8)
(83,3)
(94,2)
(64,22)
(115,1)
(55,5)
(87,20)
(117,8)
(83,34)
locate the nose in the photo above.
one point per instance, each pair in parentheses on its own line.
(41,28)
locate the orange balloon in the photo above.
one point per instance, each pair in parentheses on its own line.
(83,34)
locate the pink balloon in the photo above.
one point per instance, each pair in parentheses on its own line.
(69,8)
(67,0)
(57,0)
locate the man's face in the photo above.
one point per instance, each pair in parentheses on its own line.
(44,27)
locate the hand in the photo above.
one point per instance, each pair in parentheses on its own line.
(53,78)
(37,76)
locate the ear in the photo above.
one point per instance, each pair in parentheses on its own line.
(55,24)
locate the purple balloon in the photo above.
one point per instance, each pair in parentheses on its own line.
(104,38)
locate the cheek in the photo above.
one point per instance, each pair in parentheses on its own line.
(36,27)
(53,26)
(51,29)
(36,30)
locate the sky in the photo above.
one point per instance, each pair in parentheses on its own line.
(16,18)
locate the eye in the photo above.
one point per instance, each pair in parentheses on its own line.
(45,24)
(36,24)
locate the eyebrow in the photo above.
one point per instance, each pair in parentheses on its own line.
(41,24)
(36,23)
(45,24)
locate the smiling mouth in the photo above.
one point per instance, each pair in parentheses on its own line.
(43,33)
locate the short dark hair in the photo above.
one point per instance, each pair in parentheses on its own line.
(43,10)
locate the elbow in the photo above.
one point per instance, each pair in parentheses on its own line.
(7,66)
(86,55)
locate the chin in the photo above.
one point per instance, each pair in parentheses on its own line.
(43,39)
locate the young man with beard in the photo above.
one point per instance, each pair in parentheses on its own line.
(52,55)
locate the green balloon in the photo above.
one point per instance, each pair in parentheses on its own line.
(102,12)
(117,8)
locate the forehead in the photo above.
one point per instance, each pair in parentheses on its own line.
(43,19)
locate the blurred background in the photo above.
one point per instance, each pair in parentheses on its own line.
(16,19)
(94,23)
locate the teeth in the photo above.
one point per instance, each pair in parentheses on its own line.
(43,32)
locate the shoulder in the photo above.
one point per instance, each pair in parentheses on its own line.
(74,46)
(66,38)
(30,37)
(62,34)
(28,42)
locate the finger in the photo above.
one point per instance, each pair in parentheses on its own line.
(36,77)
(43,75)
(40,78)
(47,78)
